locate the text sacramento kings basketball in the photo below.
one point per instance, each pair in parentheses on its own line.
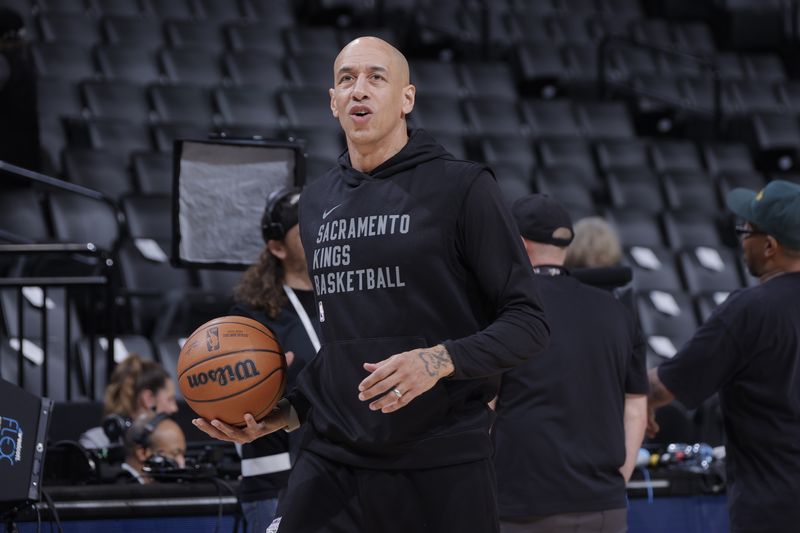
(335,256)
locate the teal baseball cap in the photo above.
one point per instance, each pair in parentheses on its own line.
(775,210)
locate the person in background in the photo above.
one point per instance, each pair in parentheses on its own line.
(570,422)
(277,292)
(153,440)
(595,245)
(749,351)
(137,387)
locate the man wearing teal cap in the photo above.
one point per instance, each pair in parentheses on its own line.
(749,351)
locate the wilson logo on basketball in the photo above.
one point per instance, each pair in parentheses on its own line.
(212,339)
(225,374)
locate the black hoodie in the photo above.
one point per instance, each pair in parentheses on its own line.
(420,251)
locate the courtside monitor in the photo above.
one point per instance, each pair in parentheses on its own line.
(23,438)
(219,191)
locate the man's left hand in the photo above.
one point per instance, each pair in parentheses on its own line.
(396,381)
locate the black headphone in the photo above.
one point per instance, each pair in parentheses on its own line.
(115,426)
(273,223)
(141,434)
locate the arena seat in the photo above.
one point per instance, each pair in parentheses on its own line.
(636,189)
(172,9)
(636,228)
(153,171)
(514,149)
(492,116)
(61,6)
(122,8)
(246,106)
(219,11)
(118,136)
(691,190)
(191,66)
(128,63)
(74,28)
(708,269)
(486,79)
(727,156)
(116,99)
(186,103)
(124,344)
(691,229)
(571,154)
(255,68)
(257,36)
(621,154)
(306,108)
(675,155)
(165,134)
(550,119)
(605,120)
(58,97)
(327,144)
(22,214)
(654,269)
(434,78)
(306,40)
(98,170)
(67,61)
(312,71)
(203,35)
(77,219)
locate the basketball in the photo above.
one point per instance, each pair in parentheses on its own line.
(230,366)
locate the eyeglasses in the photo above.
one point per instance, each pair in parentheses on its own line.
(743,232)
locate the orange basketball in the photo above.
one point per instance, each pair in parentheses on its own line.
(230,366)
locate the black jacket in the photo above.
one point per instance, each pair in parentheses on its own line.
(420,251)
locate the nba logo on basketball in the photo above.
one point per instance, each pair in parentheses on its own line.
(212,339)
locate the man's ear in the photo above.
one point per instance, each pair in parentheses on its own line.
(409,97)
(141,454)
(770,247)
(334,109)
(277,248)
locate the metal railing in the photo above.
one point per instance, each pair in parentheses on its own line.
(97,286)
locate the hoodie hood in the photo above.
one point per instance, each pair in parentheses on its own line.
(421,147)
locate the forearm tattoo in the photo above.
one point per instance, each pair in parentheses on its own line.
(435,360)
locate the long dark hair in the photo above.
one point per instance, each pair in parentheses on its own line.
(261,286)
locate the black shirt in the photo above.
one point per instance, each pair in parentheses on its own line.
(271,451)
(420,251)
(749,351)
(559,435)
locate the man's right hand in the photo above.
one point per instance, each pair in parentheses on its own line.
(277,419)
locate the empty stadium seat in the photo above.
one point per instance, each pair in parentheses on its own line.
(200,34)
(636,228)
(118,136)
(305,41)
(514,149)
(691,190)
(605,120)
(63,60)
(667,314)
(321,143)
(305,108)
(453,142)
(128,63)
(77,219)
(310,71)
(491,116)
(246,106)
(255,68)
(102,171)
(191,66)
(621,154)
(153,171)
(174,9)
(165,134)
(256,36)
(571,154)
(494,80)
(57,97)
(675,155)
(69,28)
(722,157)
(183,103)
(21,214)
(219,11)
(125,8)
(541,68)
(776,137)
(435,78)
(707,269)
(121,100)
(551,119)
(691,229)
(654,269)
(635,189)
(573,195)
(124,345)
(133,31)
(61,6)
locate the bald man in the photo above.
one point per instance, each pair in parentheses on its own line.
(424,296)
(151,436)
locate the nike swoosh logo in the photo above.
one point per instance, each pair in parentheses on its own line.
(329,211)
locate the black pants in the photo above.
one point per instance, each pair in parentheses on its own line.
(328,497)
